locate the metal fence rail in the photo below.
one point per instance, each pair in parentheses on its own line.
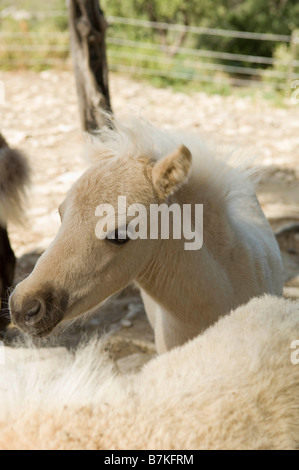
(25,14)
(153,58)
(202,65)
(202,52)
(200,30)
(187,76)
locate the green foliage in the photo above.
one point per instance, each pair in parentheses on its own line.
(39,53)
(269,16)
(172,67)
(284,56)
(276,74)
(34,5)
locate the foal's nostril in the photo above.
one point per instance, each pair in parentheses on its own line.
(35,313)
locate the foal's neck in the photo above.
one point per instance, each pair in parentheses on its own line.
(184,282)
(191,287)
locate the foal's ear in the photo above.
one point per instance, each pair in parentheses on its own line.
(172,171)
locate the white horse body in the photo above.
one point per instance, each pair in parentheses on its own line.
(239,259)
(184,291)
(236,386)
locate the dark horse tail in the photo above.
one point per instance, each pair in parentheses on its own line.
(14,180)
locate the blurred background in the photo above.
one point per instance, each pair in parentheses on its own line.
(228,70)
(212,45)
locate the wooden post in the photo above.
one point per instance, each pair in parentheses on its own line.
(87,28)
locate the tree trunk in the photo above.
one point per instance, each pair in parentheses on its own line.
(87,28)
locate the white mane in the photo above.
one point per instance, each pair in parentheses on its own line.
(227,172)
(36,378)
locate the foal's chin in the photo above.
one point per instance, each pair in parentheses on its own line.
(43,332)
(42,329)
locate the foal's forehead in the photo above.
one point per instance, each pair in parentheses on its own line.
(108,179)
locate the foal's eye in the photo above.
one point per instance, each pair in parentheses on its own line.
(118,237)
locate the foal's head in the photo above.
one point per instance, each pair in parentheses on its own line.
(80,270)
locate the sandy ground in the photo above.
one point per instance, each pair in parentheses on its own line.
(40,116)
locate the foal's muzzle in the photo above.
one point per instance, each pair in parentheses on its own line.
(37,315)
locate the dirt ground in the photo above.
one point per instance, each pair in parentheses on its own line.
(41,117)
